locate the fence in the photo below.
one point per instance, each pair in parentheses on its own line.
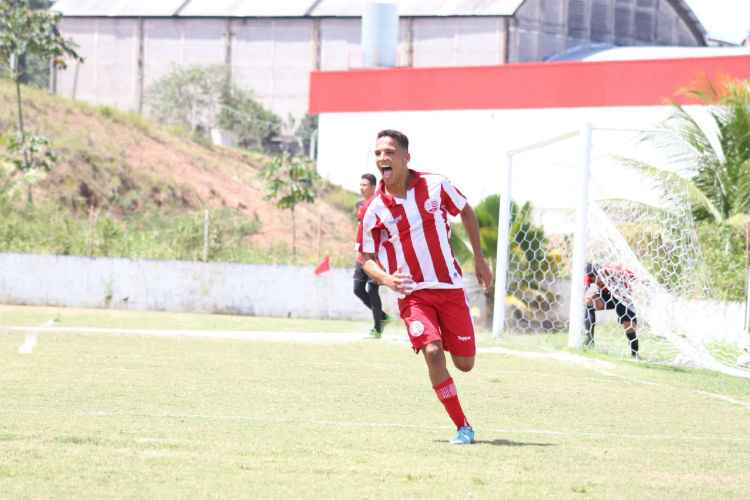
(179,286)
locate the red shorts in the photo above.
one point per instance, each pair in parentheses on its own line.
(439,314)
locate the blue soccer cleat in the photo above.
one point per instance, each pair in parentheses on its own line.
(465,435)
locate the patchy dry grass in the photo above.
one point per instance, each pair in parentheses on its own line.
(89,416)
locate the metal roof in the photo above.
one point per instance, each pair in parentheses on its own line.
(309,8)
(275,8)
(118,8)
(245,8)
(604,52)
(427,8)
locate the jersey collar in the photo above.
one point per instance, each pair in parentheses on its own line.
(390,200)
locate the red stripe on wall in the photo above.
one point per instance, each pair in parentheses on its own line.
(518,86)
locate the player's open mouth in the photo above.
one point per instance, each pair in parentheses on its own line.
(386,172)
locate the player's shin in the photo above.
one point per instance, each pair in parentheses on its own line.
(447,394)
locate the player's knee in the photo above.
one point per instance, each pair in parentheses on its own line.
(433,353)
(464,364)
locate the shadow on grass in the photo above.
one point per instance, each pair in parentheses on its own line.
(508,442)
(502,442)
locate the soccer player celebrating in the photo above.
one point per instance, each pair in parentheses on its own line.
(404,243)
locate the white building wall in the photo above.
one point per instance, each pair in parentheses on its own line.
(340,44)
(169,43)
(468,146)
(457,41)
(274,59)
(274,56)
(109,74)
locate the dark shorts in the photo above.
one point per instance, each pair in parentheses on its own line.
(624,313)
(360,274)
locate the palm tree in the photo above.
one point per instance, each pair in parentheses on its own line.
(716,152)
(716,181)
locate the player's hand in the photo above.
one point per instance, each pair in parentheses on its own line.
(483,272)
(401,282)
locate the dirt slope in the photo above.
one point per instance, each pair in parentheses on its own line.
(121,163)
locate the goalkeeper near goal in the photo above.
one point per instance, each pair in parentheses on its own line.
(608,287)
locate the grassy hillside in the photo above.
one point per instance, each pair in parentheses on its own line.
(124,186)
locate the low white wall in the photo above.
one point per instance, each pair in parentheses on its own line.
(257,290)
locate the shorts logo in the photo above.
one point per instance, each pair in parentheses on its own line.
(416,328)
(463,339)
(431,206)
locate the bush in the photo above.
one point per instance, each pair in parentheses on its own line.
(154,235)
(201,98)
(724,251)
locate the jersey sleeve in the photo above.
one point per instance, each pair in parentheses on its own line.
(452,199)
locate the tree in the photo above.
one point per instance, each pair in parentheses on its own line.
(306,132)
(716,153)
(201,98)
(289,182)
(530,259)
(716,179)
(25,31)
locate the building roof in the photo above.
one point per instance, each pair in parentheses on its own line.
(118,8)
(310,8)
(274,8)
(605,52)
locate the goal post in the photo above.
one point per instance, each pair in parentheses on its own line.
(501,269)
(578,265)
(590,197)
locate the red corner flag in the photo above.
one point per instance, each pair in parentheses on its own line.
(325,265)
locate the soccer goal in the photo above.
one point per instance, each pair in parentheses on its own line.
(590,203)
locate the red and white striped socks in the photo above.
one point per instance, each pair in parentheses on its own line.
(446,393)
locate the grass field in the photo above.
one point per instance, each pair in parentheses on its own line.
(102,416)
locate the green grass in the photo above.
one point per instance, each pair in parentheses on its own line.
(97,416)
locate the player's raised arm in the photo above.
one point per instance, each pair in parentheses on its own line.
(481,268)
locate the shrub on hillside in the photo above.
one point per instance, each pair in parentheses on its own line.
(202,98)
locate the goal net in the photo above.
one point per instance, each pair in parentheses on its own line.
(592,204)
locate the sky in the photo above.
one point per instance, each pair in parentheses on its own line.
(727,20)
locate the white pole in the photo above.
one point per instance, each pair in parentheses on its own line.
(503,244)
(575,330)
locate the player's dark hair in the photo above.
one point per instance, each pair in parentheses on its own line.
(397,136)
(370,178)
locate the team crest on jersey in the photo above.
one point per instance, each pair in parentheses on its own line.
(416,328)
(431,206)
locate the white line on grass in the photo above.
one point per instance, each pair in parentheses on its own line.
(32,337)
(390,425)
(247,335)
(599,366)
(564,357)
(739,402)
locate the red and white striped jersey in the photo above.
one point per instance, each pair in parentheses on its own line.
(414,233)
